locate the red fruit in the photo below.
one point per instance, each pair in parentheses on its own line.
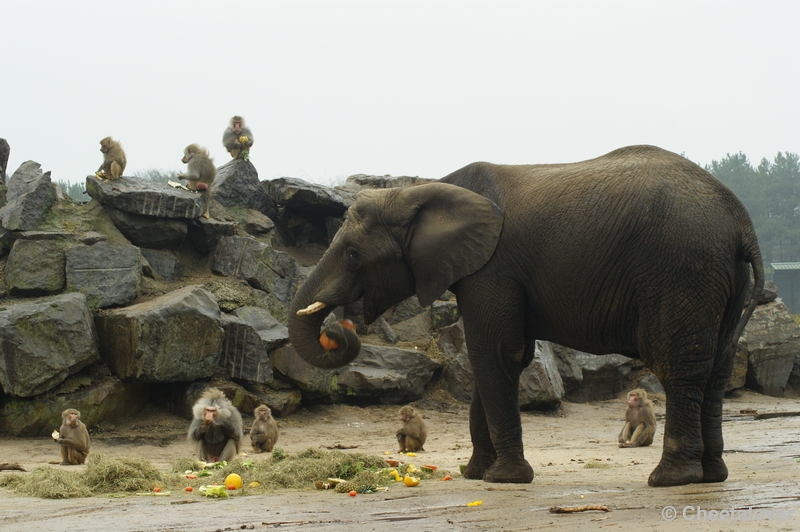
(188,488)
(231,487)
(156,490)
(353,493)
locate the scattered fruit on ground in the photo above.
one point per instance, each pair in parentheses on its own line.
(233,480)
(411,481)
(353,493)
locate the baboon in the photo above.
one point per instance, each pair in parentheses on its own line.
(73,438)
(640,421)
(216,429)
(238,139)
(412,435)
(264,432)
(114,160)
(200,171)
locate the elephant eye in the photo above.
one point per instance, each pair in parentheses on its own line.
(352,259)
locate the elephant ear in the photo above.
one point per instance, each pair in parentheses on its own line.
(453,234)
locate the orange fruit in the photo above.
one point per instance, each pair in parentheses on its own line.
(353,493)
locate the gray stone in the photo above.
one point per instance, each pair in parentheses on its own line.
(35,268)
(237,185)
(540,385)
(5,150)
(589,378)
(163,263)
(175,337)
(275,272)
(147,197)
(387,375)
(109,275)
(149,231)
(444,313)
(94,392)
(772,341)
(44,341)
(309,199)
(180,398)
(251,333)
(205,234)
(457,376)
(28,199)
(651,385)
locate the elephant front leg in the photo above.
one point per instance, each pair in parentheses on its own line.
(483,453)
(499,391)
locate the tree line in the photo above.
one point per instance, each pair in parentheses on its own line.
(770,192)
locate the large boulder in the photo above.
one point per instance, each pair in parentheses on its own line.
(109,275)
(163,263)
(147,197)
(35,268)
(44,341)
(540,385)
(205,234)
(175,337)
(5,150)
(28,199)
(387,375)
(237,185)
(94,392)
(149,231)
(589,378)
(273,271)
(251,333)
(771,341)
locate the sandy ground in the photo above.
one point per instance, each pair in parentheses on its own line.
(762,457)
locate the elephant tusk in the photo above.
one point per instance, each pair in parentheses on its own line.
(311,309)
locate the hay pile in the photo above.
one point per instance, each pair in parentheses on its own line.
(103,476)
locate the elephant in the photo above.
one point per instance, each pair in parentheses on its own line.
(639,252)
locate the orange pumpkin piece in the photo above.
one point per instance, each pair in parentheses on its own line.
(327,343)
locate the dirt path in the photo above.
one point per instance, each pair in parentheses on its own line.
(762,457)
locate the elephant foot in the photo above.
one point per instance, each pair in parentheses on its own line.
(512,472)
(673,474)
(714,470)
(477,466)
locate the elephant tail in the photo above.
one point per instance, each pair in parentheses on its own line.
(752,255)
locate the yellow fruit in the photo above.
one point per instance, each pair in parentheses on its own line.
(233,480)
(243,139)
(475,503)
(254,484)
(411,481)
(411,454)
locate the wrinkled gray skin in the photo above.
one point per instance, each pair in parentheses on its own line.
(639,252)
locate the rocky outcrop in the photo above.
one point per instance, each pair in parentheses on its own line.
(44,341)
(147,198)
(108,275)
(771,342)
(29,197)
(251,334)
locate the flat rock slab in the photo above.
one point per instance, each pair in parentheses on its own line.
(143,196)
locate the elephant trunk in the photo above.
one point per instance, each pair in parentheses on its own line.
(336,346)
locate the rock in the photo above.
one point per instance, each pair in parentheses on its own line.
(651,385)
(205,234)
(95,393)
(257,224)
(5,151)
(590,378)
(163,263)
(540,385)
(251,333)
(179,399)
(149,231)
(175,337)
(770,293)
(28,199)
(457,376)
(35,268)
(257,263)
(44,341)
(443,314)
(147,197)
(387,375)
(309,199)
(237,185)
(772,341)
(406,310)
(109,275)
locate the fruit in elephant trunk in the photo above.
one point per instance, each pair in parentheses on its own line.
(638,252)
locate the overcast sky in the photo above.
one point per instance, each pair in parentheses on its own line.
(335,88)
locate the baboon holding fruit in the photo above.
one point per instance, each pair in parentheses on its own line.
(73,438)
(200,172)
(412,435)
(640,421)
(216,428)
(114,160)
(238,139)
(264,432)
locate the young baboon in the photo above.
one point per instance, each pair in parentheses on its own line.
(264,432)
(216,429)
(640,421)
(114,160)
(412,435)
(73,438)
(238,139)
(200,171)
